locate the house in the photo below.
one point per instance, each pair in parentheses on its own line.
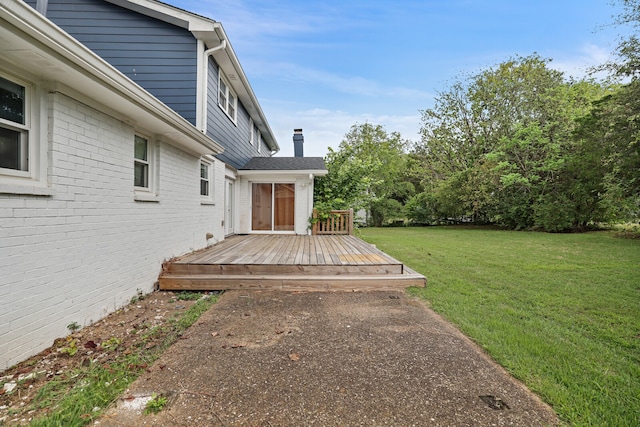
(129,134)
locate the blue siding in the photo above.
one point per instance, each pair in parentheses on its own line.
(238,149)
(160,57)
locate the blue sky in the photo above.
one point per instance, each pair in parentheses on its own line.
(326,65)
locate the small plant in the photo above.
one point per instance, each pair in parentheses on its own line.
(73,326)
(139,296)
(111,344)
(71,348)
(156,404)
(189,296)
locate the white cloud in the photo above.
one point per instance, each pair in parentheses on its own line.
(578,66)
(352,85)
(247,21)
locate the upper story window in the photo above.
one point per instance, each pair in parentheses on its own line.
(14,127)
(259,140)
(227,99)
(251,131)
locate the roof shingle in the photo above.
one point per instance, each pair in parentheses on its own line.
(285,163)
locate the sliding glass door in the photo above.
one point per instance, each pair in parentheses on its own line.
(273,207)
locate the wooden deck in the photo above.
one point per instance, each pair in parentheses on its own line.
(338,262)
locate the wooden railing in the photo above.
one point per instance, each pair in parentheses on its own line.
(338,222)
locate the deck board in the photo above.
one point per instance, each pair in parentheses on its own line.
(338,262)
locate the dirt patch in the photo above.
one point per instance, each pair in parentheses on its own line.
(104,342)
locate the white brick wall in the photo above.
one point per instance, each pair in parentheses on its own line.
(83,252)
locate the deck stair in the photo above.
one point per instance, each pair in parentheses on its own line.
(291,263)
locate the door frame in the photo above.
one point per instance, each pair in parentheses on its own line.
(229,206)
(251,207)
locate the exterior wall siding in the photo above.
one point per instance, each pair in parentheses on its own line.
(160,57)
(85,251)
(234,137)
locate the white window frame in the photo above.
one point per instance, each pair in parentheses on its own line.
(259,141)
(148,193)
(227,98)
(31,178)
(207,199)
(251,132)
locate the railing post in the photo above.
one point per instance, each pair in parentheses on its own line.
(350,222)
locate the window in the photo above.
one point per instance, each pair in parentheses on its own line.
(259,140)
(227,100)
(204,179)
(14,129)
(141,162)
(145,169)
(251,132)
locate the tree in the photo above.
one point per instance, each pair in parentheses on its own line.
(365,173)
(497,147)
(613,126)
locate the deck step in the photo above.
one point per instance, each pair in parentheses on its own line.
(269,269)
(288,262)
(290,282)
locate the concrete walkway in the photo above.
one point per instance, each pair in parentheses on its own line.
(327,359)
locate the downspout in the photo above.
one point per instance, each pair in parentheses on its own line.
(42,6)
(205,83)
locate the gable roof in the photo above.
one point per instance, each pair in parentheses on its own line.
(33,43)
(313,165)
(213,35)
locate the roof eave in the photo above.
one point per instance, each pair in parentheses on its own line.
(287,172)
(32,42)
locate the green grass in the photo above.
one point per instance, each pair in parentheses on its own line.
(81,396)
(561,312)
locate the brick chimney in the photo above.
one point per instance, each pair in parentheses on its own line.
(298,141)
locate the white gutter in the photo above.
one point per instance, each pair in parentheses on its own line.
(311,173)
(202,100)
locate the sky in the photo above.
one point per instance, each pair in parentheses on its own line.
(327,65)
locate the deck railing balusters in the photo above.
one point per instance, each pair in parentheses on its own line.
(338,222)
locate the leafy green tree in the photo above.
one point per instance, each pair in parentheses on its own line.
(367,171)
(499,148)
(612,128)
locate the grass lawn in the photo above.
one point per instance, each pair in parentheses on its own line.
(561,312)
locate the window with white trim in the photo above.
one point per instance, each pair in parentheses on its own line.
(259,140)
(23,137)
(141,165)
(206,181)
(204,178)
(14,127)
(144,169)
(251,131)
(227,99)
